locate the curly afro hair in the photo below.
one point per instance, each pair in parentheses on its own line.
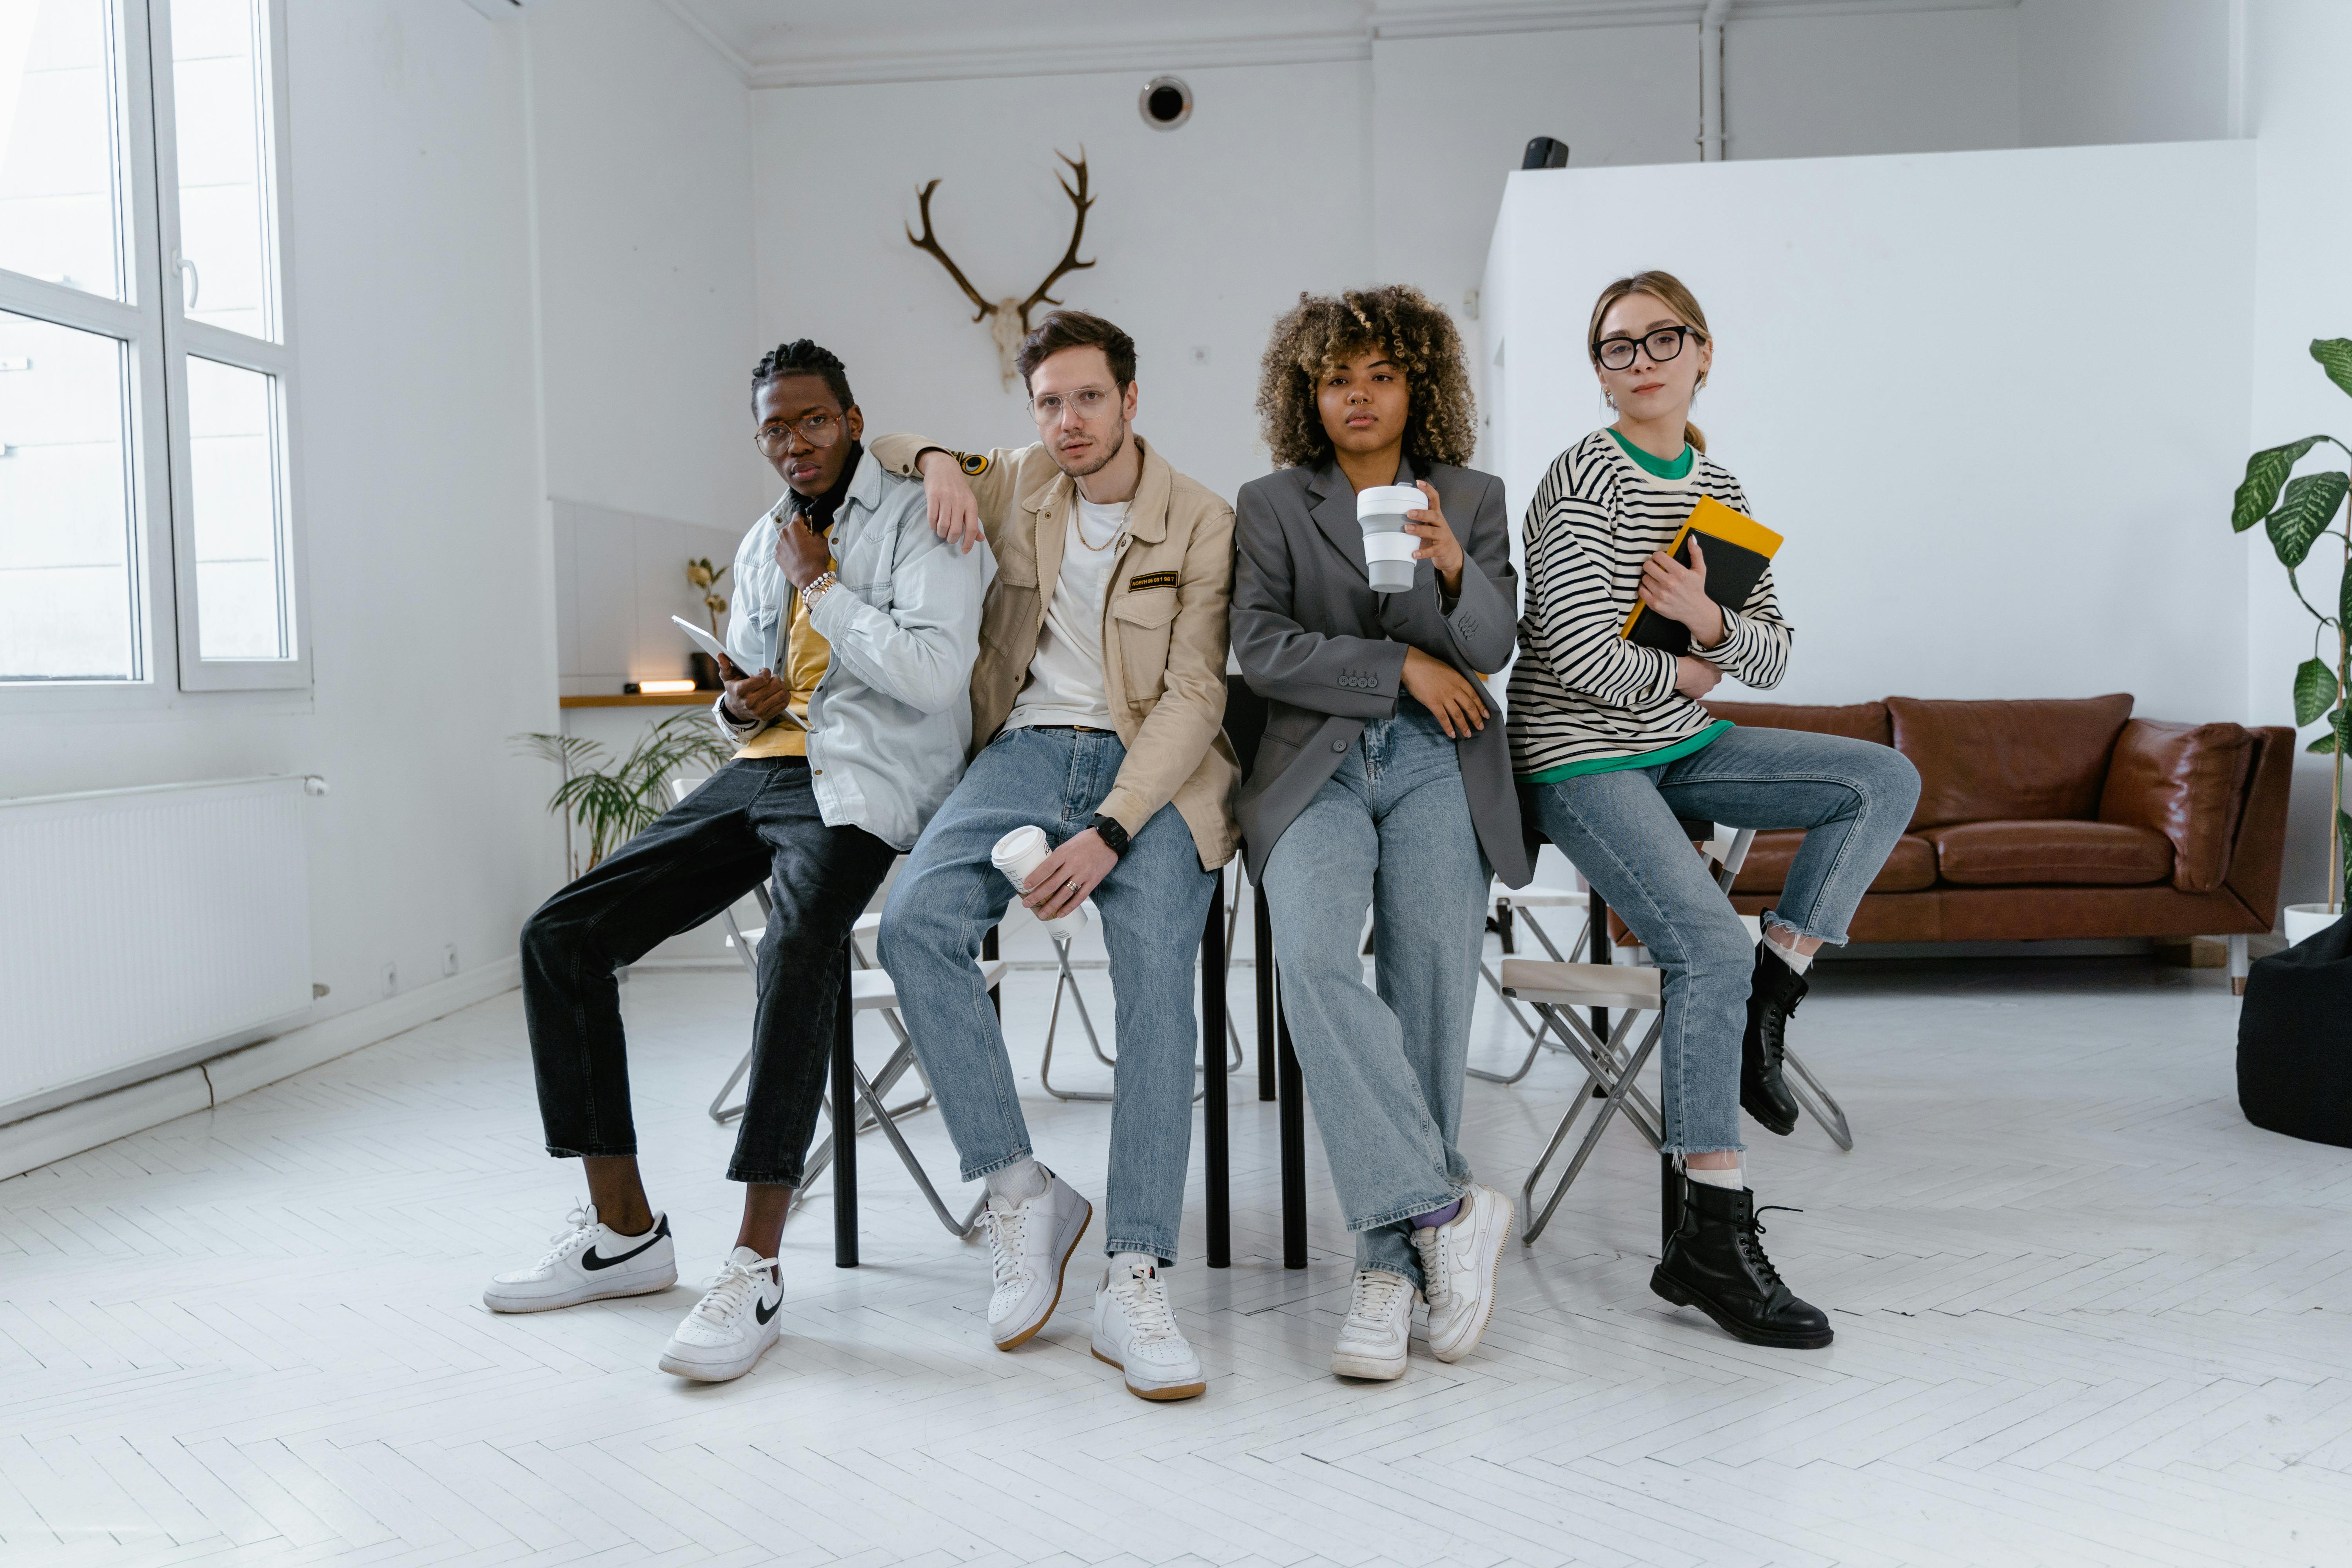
(1323,330)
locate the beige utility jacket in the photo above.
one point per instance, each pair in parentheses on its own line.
(1163,625)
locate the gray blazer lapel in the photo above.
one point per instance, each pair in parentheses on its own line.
(1335,514)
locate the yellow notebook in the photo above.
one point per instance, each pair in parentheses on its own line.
(1736,547)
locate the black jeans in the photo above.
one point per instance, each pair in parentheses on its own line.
(755,819)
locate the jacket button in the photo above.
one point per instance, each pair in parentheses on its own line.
(1338,746)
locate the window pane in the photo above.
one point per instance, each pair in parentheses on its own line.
(68,591)
(58,214)
(221,118)
(241,600)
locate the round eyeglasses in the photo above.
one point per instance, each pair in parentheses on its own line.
(775,437)
(1617,354)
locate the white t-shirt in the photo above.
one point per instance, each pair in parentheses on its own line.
(1066,673)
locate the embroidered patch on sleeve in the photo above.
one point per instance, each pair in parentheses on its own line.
(1137,584)
(973,464)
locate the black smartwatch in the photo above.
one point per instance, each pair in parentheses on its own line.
(1112,833)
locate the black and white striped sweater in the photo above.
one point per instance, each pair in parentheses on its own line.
(1580,693)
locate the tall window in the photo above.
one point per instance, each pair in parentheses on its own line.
(145,530)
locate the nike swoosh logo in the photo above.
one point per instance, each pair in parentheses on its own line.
(764,1313)
(589,1261)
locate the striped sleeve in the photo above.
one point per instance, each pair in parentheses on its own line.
(1755,647)
(1574,614)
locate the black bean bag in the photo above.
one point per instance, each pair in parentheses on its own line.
(2294,1039)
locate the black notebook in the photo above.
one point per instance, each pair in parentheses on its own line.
(1737,547)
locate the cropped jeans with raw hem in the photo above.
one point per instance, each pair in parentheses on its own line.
(1390,831)
(754,820)
(1621,829)
(1153,905)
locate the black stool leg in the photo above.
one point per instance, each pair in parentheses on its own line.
(988,955)
(1670,1200)
(1293,1116)
(1262,931)
(844,1126)
(1212,1067)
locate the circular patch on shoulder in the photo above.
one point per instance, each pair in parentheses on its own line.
(973,464)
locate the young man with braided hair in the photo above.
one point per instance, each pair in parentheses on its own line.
(1097,708)
(853,640)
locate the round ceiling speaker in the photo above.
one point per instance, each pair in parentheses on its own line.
(1166,102)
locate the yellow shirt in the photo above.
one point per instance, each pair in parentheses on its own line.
(806,657)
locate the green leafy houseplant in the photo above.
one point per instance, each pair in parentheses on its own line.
(614,805)
(2296,514)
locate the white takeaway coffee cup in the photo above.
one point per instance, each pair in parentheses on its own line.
(1388,547)
(1018,855)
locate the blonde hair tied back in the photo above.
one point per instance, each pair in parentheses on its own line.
(1668,290)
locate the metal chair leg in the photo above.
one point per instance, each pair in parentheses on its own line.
(1292,1116)
(1827,1112)
(1618,1095)
(1067,979)
(1536,1032)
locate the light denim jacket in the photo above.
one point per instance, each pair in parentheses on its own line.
(891,720)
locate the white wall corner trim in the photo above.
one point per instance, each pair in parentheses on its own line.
(710,38)
(71,1129)
(846,68)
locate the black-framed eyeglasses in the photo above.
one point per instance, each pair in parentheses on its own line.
(1617,354)
(775,437)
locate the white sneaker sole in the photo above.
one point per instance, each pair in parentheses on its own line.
(1061,1273)
(692,1365)
(1371,1369)
(1464,1343)
(499,1300)
(1153,1389)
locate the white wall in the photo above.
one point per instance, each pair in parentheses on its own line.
(418,485)
(1904,81)
(1987,487)
(2123,70)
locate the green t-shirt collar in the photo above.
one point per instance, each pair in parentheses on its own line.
(1658,467)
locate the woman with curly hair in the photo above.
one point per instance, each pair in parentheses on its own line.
(1615,750)
(1384,782)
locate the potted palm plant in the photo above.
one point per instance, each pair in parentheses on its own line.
(2298,513)
(610,804)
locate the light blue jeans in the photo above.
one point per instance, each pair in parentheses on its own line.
(1623,830)
(1390,831)
(1154,905)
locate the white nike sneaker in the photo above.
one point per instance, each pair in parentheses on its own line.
(1136,1332)
(1378,1323)
(731,1325)
(1029,1244)
(589,1262)
(1458,1263)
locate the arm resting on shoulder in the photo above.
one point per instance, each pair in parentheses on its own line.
(996,488)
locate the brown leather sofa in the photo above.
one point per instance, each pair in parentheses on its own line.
(2056,818)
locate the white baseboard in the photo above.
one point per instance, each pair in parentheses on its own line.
(69,1130)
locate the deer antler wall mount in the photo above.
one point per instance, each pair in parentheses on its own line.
(1008,319)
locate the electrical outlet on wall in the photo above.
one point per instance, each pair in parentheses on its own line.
(390,978)
(449,958)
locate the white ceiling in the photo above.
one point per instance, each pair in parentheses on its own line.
(804,43)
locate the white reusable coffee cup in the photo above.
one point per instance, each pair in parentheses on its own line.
(1018,855)
(1388,547)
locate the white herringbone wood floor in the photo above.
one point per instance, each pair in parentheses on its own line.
(2085,1315)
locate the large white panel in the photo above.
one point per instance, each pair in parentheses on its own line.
(1996,400)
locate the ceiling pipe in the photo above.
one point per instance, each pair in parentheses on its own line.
(1710,80)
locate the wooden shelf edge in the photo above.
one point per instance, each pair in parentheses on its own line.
(643,700)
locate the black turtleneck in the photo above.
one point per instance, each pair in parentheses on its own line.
(817,511)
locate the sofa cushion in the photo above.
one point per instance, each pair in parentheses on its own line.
(1858,721)
(2046,853)
(2186,782)
(1986,762)
(1910,865)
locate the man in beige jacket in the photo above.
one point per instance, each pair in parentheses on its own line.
(1099,707)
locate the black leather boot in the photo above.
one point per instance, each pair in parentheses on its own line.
(1773,992)
(1715,1262)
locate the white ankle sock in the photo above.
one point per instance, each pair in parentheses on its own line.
(1146,1262)
(1730,1179)
(1019,1182)
(1800,962)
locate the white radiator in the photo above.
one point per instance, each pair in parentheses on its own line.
(137,925)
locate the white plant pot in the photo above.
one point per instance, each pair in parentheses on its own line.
(2305,919)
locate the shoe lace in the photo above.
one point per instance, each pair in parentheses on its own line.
(1753,1248)
(1144,1299)
(579,1229)
(1005,1231)
(735,1285)
(1375,1297)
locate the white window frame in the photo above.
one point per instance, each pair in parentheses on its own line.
(159,338)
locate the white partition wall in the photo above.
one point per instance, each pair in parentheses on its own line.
(1996,401)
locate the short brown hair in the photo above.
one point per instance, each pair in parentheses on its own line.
(1323,330)
(1076,330)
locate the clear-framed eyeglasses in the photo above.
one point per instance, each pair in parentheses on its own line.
(1617,354)
(1047,406)
(775,437)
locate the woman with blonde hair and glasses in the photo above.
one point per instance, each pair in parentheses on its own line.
(1612,749)
(1383,784)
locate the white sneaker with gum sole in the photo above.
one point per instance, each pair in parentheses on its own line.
(1378,1324)
(1136,1332)
(1029,1245)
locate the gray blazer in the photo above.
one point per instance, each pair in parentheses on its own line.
(1328,653)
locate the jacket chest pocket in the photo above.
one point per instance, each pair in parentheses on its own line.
(1142,622)
(863,565)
